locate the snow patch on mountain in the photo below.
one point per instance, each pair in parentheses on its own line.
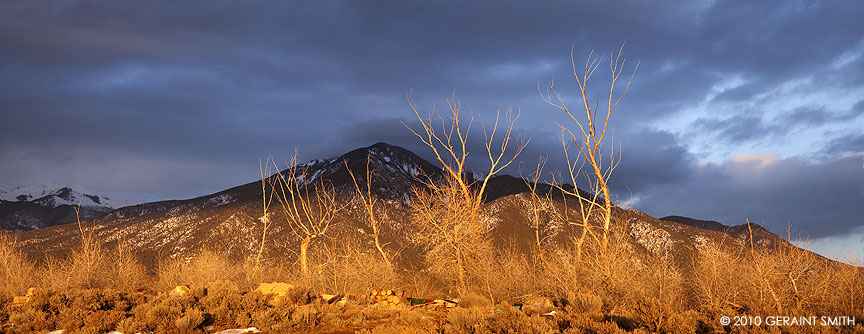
(221,200)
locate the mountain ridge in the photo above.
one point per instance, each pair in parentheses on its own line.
(34,207)
(229,219)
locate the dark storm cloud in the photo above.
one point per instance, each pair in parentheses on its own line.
(650,158)
(819,199)
(737,129)
(751,125)
(809,116)
(858,108)
(812,116)
(92,92)
(743,92)
(853,143)
(393,131)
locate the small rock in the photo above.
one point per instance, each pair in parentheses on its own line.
(550,314)
(240,331)
(537,304)
(181,290)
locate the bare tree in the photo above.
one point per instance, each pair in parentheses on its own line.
(308,205)
(447,212)
(592,130)
(759,264)
(537,207)
(369,205)
(267,201)
(587,202)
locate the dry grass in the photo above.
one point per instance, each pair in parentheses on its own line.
(781,280)
(94,267)
(209,267)
(16,271)
(587,297)
(346,266)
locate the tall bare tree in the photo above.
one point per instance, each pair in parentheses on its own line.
(369,205)
(447,212)
(309,205)
(587,203)
(537,207)
(592,130)
(267,200)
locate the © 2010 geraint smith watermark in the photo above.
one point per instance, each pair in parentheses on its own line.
(781,320)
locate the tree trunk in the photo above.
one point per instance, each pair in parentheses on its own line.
(381,251)
(581,239)
(304,251)
(261,248)
(607,206)
(460,264)
(539,246)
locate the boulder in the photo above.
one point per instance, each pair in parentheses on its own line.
(278,288)
(181,290)
(537,304)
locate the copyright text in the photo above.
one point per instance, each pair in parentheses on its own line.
(779,320)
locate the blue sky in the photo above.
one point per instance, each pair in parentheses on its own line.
(739,109)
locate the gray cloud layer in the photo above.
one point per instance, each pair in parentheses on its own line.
(166,100)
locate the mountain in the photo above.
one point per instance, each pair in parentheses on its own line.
(230,220)
(738,232)
(34,207)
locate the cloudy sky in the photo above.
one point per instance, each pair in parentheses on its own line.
(739,109)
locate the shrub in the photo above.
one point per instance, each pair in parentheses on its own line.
(417,319)
(652,314)
(466,320)
(584,324)
(191,319)
(686,322)
(508,320)
(473,300)
(586,303)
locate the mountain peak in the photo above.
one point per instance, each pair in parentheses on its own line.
(382,145)
(394,169)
